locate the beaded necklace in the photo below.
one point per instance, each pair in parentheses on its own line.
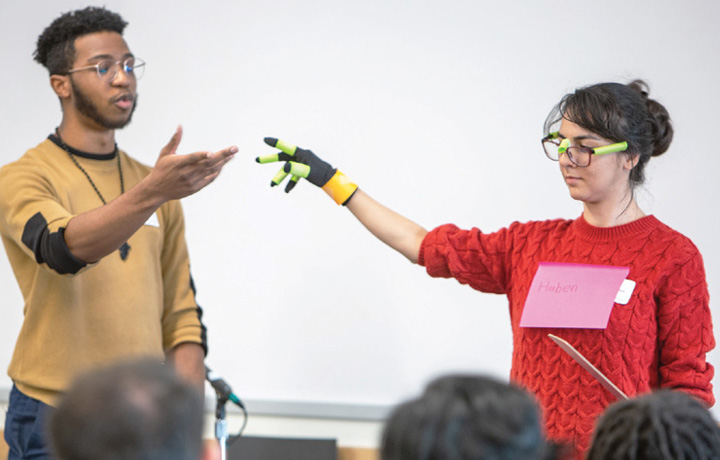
(125,248)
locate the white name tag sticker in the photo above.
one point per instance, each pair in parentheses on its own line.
(153,221)
(626,289)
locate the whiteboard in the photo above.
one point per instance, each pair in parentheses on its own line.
(434,108)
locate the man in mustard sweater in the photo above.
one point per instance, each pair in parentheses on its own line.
(96,239)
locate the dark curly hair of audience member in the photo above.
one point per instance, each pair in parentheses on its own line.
(56,44)
(466,417)
(619,112)
(665,425)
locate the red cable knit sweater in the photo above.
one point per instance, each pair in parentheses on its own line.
(659,339)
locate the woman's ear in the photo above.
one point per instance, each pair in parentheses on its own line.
(631,161)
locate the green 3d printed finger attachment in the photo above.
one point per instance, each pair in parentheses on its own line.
(287,151)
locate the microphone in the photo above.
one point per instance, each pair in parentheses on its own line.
(222,388)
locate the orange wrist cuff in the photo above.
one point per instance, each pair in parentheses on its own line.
(340,187)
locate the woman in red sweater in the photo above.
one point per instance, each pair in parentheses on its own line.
(603,136)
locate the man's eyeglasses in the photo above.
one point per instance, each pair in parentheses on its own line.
(108,69)
(580,156)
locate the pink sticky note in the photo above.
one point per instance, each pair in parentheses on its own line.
(572,295)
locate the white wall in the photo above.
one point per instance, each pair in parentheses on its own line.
(435,108)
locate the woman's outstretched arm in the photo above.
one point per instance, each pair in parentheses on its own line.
(398,232)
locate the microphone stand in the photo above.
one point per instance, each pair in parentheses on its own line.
(221,429)
(224,394)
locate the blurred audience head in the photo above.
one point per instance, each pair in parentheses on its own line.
(665,425)
(138,410)
(464,417)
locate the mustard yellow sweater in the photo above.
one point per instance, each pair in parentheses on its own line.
(78,316)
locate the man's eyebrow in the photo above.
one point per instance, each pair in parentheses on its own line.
(99,57)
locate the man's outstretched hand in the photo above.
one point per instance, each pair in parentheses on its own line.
(177,176)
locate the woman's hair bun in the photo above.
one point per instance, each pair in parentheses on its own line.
(659,119)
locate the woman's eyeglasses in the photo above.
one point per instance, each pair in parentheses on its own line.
(580,156)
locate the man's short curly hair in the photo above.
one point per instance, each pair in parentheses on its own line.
(56,45)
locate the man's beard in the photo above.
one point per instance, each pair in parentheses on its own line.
(86,107)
